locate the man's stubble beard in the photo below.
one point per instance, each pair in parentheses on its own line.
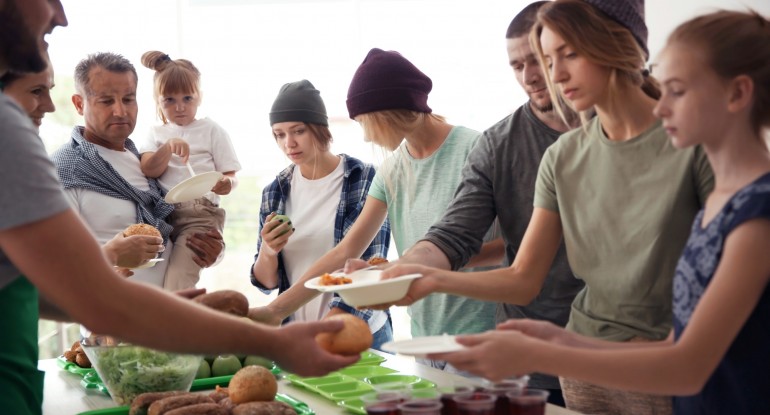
(19,49)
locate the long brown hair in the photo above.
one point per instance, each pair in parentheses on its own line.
(599,39)
(734,43)
(172,76)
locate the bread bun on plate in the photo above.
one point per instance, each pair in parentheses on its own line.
(142,229)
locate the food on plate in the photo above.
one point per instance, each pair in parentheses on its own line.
(225,365)
(77,356)
(200,409)
(163,406)
(284,219)
(142,402)
(252,383)
(142,229)
(264,408)
(228,301)
(354,337)
(377,260)
(329,279)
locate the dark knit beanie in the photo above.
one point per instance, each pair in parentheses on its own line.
(629,14)
(387,81)
(299,101)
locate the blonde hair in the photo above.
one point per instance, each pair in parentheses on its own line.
(387,129)
(734,43)
(599,39)
(178,76)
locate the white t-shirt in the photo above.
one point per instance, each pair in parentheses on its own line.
(210,150)
(107,216)
(312,206)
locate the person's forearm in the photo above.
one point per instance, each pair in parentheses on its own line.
(425,253)
(491,254)
(265,269)
(155,164)
(504,285)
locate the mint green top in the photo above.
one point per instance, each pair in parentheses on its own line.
(626,209)
(423,189)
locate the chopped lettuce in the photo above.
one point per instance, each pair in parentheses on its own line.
(128,371)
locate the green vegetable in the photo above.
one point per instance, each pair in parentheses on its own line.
(128,371)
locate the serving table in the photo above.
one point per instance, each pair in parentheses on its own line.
(63,394)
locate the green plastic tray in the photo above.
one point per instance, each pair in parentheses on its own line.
(72,367)
(300,407)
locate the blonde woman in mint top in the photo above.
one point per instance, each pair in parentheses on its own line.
(388,97)
(616,190)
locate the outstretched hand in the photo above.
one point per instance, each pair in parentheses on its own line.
(299,353)
(419,288)
(264,315)
(493,355)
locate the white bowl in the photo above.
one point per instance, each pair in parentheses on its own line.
(367,288)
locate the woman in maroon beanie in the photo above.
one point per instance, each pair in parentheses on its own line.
(388,97)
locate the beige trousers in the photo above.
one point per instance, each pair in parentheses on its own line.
(588,398)
(188,218)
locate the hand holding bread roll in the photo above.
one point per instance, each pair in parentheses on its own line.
(354,338)
(134,246)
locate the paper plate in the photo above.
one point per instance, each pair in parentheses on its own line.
(149,264)
(193,188)
(422,346)
(359,279)
(366,288)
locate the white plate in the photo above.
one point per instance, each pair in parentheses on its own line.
(149,264)
(367,288)
(193,188)
(422,346)
(362,278)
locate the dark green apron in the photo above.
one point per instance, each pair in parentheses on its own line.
(21,384)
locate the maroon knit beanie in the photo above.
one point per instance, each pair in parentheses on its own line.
(629,14)
(387,81)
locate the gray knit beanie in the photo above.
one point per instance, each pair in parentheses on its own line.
(299,101)
(629,14)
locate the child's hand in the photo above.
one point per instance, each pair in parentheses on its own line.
(179,147)
(223,186)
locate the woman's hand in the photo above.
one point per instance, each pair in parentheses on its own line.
(275,234)
(539,329)
(132,251)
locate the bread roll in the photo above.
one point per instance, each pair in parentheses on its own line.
(354,337)
(142,229)
(252,383)
(228,301)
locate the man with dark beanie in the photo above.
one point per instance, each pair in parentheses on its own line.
(323,194)
(499,181)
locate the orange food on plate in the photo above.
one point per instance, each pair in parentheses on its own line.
(328,279)
(377,260)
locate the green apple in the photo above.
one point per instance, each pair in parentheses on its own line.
(285,219)
(225,365)
(257,361)
(204,370)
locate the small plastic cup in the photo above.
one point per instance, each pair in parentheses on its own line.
(477,403)
(448,395)
(528,402)
(383,403)
(502,389)
(420,407)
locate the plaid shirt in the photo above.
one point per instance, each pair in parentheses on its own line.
(80,166)
(355,187)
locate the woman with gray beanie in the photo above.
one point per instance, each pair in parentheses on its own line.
(323,194)
(388,96)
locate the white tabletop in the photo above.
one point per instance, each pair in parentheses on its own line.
(63,394)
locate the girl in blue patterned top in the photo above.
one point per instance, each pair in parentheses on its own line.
(323,194)
(715,72)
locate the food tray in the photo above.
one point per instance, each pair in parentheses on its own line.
(346,386)
(300,407)
(369,358)
(73,368)
(92,381)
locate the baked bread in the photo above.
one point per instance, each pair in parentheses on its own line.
(354,337)
(142,229)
